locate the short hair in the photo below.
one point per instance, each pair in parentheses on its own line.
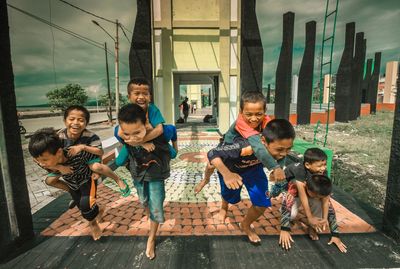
(278,129)
(319,184)
(139,81)
(314,155)
(132,113)
(80,108)
(45,139)
(252,97)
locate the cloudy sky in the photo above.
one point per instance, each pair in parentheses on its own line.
(45,58)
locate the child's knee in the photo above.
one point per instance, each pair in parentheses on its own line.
(51,181)
(89,208)
(96,167)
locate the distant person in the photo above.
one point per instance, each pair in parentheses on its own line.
(47,150)
(76,139)
(191,108)
(194,108)
(148,167)
(185,108)
(139,92)
(317,188)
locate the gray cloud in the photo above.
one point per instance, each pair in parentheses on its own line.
(78,62)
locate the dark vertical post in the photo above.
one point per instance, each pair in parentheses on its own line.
(283,77)
(344,77)
(356,74)
(108,88)
(366,81)
(15,211)
(361,78)
(252,52)
(373,85)
(140,57)
(306,76)
(269,94)
(391,220)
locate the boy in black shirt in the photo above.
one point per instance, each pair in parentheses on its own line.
(149,168)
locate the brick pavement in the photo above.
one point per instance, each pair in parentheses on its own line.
(185,212)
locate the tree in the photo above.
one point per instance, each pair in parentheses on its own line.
(103,100)
(71,94)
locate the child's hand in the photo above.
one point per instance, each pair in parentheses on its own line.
(279,174)
(72,151)
(133,142)
(323,224)
(315,223)
(149,146)
(336,240)
(284,240)
(95,176)
(232,180)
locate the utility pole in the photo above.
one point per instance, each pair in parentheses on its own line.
(116,43)
(108,88)
(116,68)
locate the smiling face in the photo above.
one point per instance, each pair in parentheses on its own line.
(75,123)
(278,149)
(134,132)
(253,113)
(317,167)
(139,94)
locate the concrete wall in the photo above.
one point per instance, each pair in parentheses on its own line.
(196,36)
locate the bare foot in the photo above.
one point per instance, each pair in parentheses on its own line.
(95,229)
(150,248)
(313,234)
(253,237)
(200,186)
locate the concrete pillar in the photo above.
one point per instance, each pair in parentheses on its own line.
(389,92)
(344,77)
(373,85)
(361,76)
(356,78)
(295,86)
(15,211)
(269,94)
(325,99)
(140,54)
(366,81)
(251,48)
(306,76)
(391,220)
(284,69)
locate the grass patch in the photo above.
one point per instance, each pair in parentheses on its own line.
(361,151)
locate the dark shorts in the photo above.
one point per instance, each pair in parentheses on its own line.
(256,183)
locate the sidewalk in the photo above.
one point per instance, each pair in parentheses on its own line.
(192,235)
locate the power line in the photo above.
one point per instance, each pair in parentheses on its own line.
(87,12)
(125,34)
(126,28)
(95,15)
(76,35)
(53,49)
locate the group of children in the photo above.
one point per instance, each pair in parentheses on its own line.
(254,141)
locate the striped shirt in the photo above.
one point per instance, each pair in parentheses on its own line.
(81,172)
(87,138)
